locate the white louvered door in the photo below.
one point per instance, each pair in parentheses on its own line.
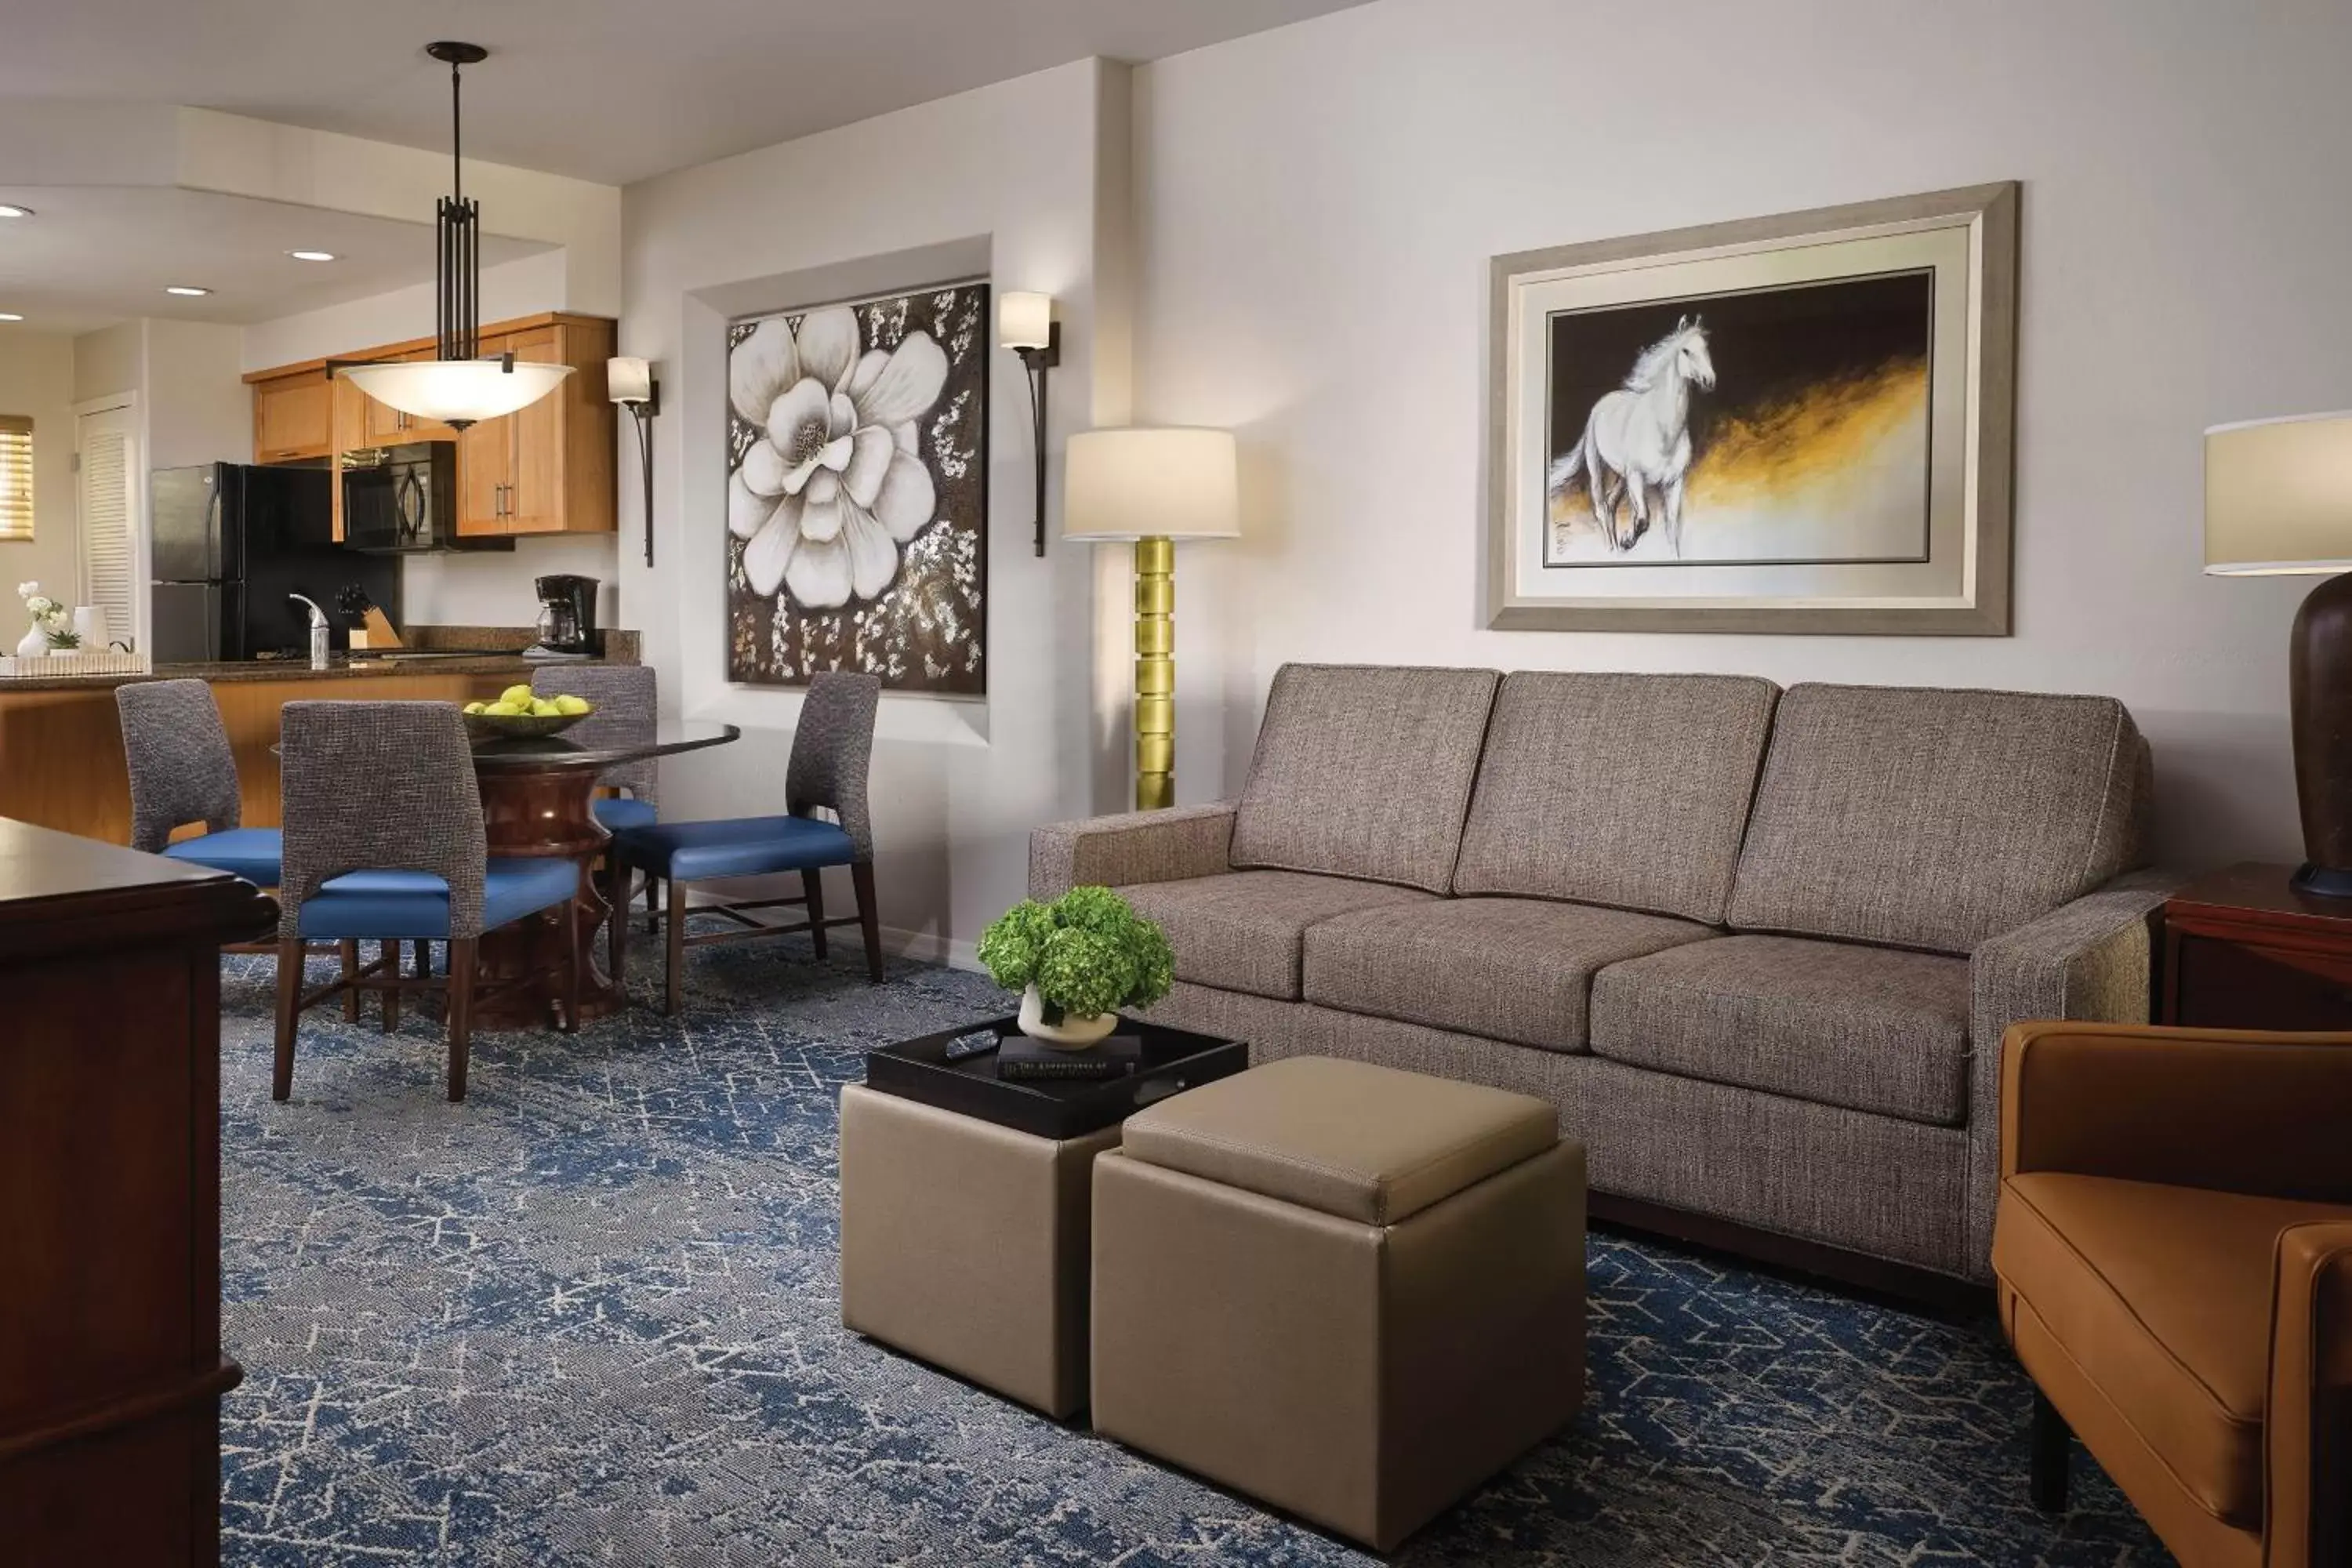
(107,506)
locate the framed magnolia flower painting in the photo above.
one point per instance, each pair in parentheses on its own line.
(858,492)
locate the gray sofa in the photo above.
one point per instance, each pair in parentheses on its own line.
(1758,946)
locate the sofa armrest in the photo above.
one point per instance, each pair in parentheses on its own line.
(2231,1110)
(2086,959)
(1130,847)
(2307,1429)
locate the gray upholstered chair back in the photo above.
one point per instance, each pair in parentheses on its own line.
(832,750)
(627,710)
(379,786)
(181,769)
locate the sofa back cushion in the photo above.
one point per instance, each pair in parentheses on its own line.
(1629,790)
(1364,771)
(1935,819)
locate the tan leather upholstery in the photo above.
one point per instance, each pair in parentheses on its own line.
(966,1244)
(1362,1375)
(1345,1138)
(2174,1249)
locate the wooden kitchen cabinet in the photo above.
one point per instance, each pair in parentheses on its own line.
(293,417)
(545,469)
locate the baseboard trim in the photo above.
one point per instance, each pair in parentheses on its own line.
(1853,1273)
(929,947)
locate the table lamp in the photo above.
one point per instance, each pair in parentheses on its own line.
(2278,500)
(1153,487)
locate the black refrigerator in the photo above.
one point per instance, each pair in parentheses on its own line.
(231,543)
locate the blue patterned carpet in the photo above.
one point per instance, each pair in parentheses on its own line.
(590,1317)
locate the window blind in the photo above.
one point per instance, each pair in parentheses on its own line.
(16,477)
(106,526)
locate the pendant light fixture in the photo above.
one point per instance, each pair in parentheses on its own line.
(458,387)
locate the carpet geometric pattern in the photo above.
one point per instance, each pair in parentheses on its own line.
(591,1316)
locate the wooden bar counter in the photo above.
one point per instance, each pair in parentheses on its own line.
(62,743)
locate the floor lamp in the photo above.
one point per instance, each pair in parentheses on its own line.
(1153,487)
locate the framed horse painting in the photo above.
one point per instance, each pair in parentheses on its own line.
(1793,424)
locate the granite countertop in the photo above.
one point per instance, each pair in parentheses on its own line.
(620,648)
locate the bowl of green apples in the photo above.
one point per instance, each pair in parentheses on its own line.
(521,711)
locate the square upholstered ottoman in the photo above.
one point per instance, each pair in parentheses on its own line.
(1350,1291)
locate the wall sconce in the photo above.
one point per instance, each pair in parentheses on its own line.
(1025,324)
(631,384)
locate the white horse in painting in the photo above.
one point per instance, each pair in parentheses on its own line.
(1636,442)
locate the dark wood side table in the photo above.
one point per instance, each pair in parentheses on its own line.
(111,1363)
(2243,949)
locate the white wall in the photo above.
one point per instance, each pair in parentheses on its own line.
(198,408)
(1317,206)
(37,381)
(1005,179)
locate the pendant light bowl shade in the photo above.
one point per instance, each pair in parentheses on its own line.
(458,392)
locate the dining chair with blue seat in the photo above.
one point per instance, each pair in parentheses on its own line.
(404,859)
(183,771)
(624,709)
(832,748)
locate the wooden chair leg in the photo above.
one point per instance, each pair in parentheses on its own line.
(424,960)
(813,887)
(652,907)
(391,995)
(676,983)
(349,952)
(571,1024)
(616,929)
(461,1014)
(289,1007)
(2052,1450)
(869,917)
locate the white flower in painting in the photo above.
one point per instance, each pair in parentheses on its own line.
(834,486)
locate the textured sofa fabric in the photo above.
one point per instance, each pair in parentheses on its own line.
(1870,1028)
(1245,929)
(1514,969)
(1909,873)
(1935,819)
(1629,790)
(1364,772)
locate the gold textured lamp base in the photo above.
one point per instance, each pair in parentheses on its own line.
(1155,673)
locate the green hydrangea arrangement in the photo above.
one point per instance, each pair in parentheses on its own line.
(1087,953)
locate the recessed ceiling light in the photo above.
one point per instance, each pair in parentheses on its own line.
(311,254)
(10,316)
(185,291)
(10,209)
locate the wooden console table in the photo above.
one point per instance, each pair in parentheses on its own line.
(2243,949)
(111,1363)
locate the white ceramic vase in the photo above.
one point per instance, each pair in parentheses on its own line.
(1072,1034)
(35,643)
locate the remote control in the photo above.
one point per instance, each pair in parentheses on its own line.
(977,1042)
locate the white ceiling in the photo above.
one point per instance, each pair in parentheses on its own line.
(611,90)
(92,256)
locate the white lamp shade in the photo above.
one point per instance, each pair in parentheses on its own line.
(2278,496)
(629,379)
(458,391)
(1148,483)
(1024,321)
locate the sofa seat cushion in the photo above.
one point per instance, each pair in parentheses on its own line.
(1508,969)
(1626,790)
(1363,772)
(1345,1138)
(2162,1296)
(1242,931)
(1869,1028)
(1935,819)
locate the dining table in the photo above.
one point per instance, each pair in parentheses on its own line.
(538,801)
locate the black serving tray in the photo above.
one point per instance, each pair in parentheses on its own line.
(1173,1060)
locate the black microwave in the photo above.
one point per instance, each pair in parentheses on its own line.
(403,499)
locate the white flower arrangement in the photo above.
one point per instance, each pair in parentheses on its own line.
(48,615)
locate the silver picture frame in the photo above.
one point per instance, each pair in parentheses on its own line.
(1953,581)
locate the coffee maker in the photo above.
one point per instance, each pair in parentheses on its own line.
(567,615)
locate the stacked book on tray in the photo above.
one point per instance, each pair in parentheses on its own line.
(1020,1060)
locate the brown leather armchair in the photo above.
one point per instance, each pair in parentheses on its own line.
(2174,1250)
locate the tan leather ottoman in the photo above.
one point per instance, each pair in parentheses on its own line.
(1353,1292)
